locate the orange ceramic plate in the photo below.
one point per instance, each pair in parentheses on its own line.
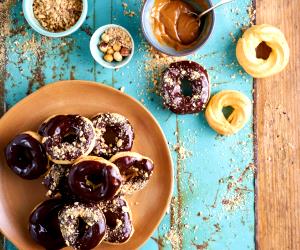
(18,197)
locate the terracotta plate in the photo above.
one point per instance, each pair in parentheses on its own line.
(18,197)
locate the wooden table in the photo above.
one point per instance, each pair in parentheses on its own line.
(278,118)
(213,202)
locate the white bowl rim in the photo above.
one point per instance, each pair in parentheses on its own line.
(109,65)
(47,33)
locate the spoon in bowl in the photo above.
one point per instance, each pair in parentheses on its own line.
(210,9)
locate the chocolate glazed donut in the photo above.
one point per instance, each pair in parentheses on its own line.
(44,225)
(94,179)
(26,156)
(56,181)
(67,137)
(119,228)
(114,134)
(82,225)
(135,169)
(171,87)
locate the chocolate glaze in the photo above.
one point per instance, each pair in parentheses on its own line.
(135,172)
(119,226)
(62,131)
(26,156)
(90,237)
(56,181)
(94,181)
(44,224)
(111,129)
(82,225)
(171,91)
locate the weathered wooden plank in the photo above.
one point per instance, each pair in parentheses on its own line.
(278,117)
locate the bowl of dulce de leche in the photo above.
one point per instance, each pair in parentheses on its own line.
(173,27)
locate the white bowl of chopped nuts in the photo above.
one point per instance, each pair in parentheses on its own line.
(55,18)
(112,46)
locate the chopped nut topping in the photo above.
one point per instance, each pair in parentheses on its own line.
(57,15)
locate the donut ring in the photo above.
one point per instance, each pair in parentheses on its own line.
(26,156)
(94,179)
(171,90)
(67,137)
(237,119)
(82,226)
(44,225)
(56,181)
(246,51)
(119,228)
(114,134)
(135,169)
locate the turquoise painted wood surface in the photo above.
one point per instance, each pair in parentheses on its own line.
(213,201)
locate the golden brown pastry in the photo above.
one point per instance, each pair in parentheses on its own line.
(246,51)
(242,110)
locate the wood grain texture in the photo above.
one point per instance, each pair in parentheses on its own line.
(278,118)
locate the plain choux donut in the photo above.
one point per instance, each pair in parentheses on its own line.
(246,51)
(242,109)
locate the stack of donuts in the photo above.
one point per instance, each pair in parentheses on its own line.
(88,169)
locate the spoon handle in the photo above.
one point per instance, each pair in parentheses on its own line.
(213,7)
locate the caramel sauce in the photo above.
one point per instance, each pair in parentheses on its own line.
(174,25)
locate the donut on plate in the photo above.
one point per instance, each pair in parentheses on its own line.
(26,156)
(114,134)
(274,39)
(82,225)
(135,169)
(67,137)
(242,110)
(119,228)
(94,179)
(171,87)
(56,181)
(44,225)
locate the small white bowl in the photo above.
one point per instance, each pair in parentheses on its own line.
(98,55)
(34,23)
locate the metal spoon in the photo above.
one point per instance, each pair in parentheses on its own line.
(210,9)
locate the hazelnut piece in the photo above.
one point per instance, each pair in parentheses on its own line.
(108,58)
(103,46)
(105,37)
(125,51)
(116,47)
(118,57)
(110,50)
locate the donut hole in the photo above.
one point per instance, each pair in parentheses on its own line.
(110,135)
(82,226)
(70,137)
(111,219)
(23,156)
(263,51)
(95,180)
(227,111)
(186,87)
